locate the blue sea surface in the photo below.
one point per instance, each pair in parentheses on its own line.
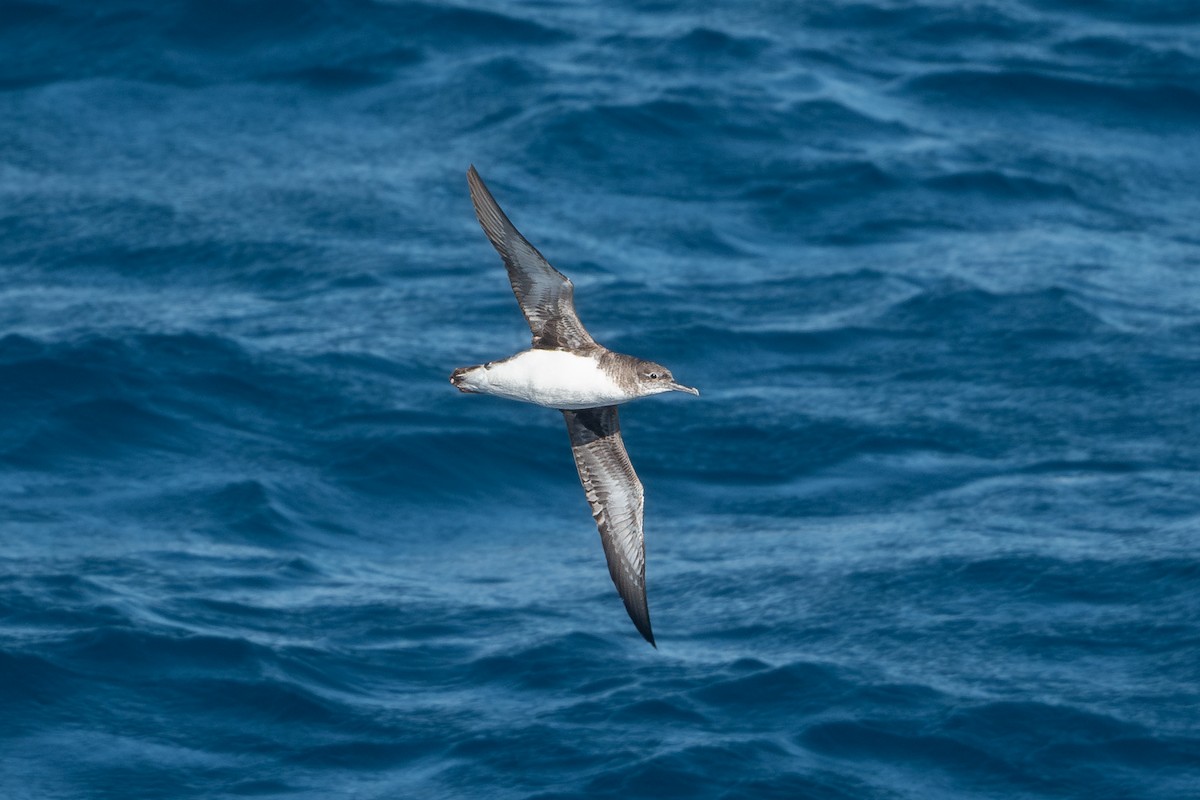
(932,529)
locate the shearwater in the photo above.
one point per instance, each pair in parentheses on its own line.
(566,369)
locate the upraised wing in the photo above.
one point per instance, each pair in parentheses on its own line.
(615,495)
(546,296)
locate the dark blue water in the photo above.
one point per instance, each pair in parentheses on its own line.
(931,531)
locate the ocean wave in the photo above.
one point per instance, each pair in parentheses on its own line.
(995,184)
(331,44)
(1046,313)
(801,687)
(1121,57)
(907,747)
(924,21)
(1065,96)
(351,73)
(1093,587)
(707,43)
(716,129)
(990,742)
(926,531)
(1154,12)
(799,187)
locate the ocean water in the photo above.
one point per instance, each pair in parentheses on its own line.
(932,530)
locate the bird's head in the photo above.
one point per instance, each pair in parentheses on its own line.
(655,379)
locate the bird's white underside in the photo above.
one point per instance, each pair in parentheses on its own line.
(551,378)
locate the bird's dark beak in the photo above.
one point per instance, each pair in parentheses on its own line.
(679,387)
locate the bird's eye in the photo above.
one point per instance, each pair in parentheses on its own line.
(654,375)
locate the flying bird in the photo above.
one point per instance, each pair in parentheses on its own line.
(568,370)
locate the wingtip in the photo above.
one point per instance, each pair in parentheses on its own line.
(646,633)
(639,612)
(486,206)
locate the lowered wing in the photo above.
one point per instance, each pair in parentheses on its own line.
(615,495)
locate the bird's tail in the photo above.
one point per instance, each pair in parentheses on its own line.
(461,378)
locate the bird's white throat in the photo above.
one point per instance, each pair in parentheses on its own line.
(551,378)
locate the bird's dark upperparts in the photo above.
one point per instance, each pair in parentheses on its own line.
(568,370)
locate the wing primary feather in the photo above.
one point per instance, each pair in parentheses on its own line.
(546,296)
(615,495)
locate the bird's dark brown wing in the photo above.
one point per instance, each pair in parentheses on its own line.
(615,495)
(546,296)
